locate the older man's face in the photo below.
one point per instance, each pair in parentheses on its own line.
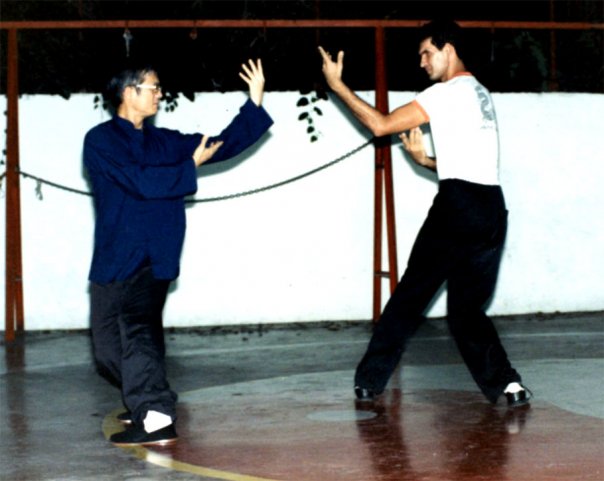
(146,95)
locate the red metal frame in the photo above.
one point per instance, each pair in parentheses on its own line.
(14,319)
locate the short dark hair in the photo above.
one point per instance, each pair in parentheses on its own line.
(443,31)
(128,77)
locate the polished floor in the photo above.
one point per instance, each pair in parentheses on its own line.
(274,403)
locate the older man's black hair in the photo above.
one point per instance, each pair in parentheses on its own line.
(127,77)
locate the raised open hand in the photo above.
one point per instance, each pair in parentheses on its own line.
(332,70)
(253,75)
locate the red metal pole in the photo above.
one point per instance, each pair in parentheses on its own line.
(383,178)
(382,88)
(377,233)
(14,316)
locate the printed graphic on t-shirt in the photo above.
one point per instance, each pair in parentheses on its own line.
(486,107)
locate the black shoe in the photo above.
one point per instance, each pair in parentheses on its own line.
(125,418)
(364,394)
(137,436)
(519,398)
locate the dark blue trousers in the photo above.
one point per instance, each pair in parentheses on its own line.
(461,243)
(128,341)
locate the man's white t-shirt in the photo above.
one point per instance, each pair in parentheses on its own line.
(464,129)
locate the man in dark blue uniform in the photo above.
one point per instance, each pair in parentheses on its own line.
(140,176)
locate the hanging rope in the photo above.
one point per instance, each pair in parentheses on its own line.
(40,181)
(285,182)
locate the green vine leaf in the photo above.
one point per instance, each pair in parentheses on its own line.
(307,103)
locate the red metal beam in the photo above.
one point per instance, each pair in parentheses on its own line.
(200,23)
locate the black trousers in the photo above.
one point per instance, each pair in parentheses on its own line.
(128,341)
(460,242)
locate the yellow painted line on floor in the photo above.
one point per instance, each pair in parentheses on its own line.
(111,425)
(166,462)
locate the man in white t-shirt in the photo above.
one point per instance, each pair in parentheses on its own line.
(461,240)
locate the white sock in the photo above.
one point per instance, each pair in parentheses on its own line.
(155,420)
(513,387)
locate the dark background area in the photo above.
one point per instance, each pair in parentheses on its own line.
(200,60)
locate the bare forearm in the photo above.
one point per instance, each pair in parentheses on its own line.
(403,118)
(400,119)
(368,115)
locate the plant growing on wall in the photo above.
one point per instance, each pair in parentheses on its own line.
(307,102)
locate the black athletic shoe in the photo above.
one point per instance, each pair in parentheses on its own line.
(137,436)
(364,394)
(125,418)
(519,398)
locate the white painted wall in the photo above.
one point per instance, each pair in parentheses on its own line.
(303,252)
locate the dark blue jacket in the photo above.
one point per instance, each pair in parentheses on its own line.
(140,179)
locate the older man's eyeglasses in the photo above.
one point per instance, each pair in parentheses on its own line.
(155,89)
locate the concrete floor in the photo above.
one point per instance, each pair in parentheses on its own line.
(275,403)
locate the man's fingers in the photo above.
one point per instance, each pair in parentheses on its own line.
(248,74)
(326,55)
(252,71)
(258,67)
(251,68)
(214,146)
(416,135)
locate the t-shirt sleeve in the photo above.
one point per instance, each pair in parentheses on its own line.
(429,100)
